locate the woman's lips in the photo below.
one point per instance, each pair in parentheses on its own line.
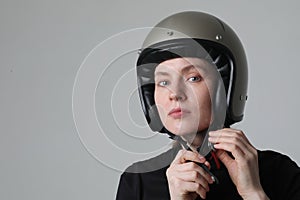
(177,113)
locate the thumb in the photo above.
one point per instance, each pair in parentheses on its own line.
(224,157)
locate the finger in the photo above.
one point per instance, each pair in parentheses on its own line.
(230,132)
(194,167)
(235,141)
(236,151)
(222,138)
(226,133)
(207,164)
(195,187)
(185,188)
(224,158)
(185,155)
(241,133)
(201,191)
(231,136)
(193,176)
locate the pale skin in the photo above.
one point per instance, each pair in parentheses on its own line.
(182,97)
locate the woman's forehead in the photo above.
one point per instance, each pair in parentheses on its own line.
(182,65)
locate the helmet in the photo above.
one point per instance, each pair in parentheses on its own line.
(181,35)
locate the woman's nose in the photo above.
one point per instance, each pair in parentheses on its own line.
(177,94)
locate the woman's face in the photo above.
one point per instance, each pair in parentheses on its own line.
(182,96)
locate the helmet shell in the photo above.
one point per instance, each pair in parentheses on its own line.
(211,30)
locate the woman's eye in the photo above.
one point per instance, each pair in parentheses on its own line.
(163,83)
(194,79)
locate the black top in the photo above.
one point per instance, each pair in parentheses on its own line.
(279,176)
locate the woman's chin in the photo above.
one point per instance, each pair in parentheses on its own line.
(188,134)
(183,132)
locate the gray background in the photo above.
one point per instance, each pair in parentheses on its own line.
(42,45)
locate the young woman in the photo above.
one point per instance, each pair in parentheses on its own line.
(192,77)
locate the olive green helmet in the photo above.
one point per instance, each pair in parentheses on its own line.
(180,35)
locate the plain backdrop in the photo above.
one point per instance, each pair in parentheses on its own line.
(44,43)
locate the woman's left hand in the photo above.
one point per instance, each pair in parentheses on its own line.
(242,165)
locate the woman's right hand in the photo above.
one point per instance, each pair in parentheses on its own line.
(186,179)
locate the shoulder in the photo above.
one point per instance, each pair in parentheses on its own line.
(273,158)
(279,174)
(153,164)
(146,178)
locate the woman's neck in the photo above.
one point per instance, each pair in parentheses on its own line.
(195,140)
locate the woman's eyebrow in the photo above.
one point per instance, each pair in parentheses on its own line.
(191,67)
(188,68)
(161,73)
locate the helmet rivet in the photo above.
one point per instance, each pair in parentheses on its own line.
(218,37)
(243,97)
(170,33)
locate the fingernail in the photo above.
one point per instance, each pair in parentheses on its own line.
(213,179)
(211,133)
(200,157)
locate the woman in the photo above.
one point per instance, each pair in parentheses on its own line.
(192,77)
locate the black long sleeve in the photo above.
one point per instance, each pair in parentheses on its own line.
(280,179)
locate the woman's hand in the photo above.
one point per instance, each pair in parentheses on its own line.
(187,180)
(242,165)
